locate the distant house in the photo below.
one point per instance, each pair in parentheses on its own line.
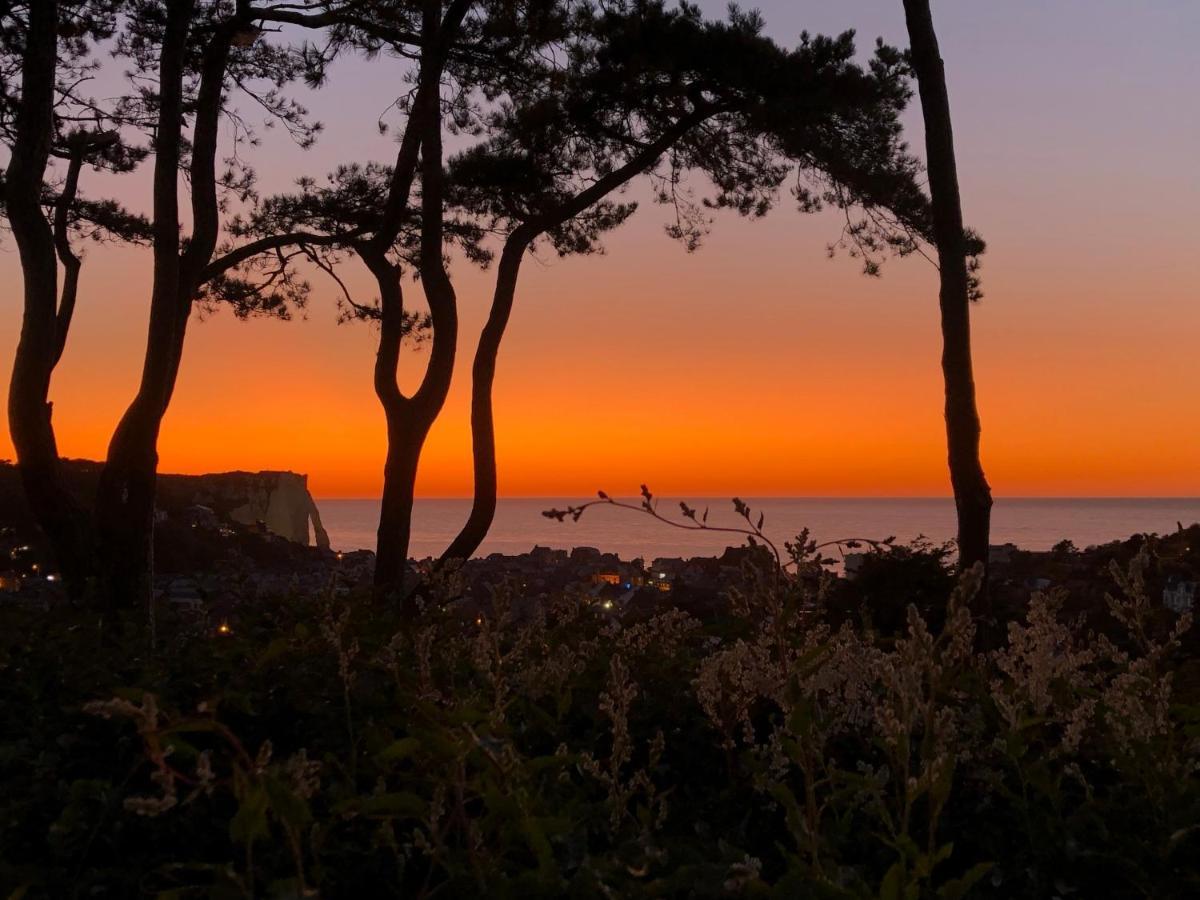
(1001,553)
(852,563)
(201,517)
(664,570)
(1179,596)
(697,573)
(545,556)
(631,575)
(10,582)
(185,592)
(605,598)
(667,565)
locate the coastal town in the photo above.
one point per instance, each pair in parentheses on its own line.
(209,564)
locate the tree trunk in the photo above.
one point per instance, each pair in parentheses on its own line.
(60,517)
(406,437)
(71,263)
(972,496)
(409,420)
(125,496)
(483,371)
(483,432)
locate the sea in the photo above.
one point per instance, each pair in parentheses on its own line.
(1030,523)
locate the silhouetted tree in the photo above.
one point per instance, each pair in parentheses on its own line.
(409,418)
(972,495)
(648,85)
(50,44)
(463,50)
(197,53)
(633,88)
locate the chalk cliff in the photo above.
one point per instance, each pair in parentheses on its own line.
(280,500)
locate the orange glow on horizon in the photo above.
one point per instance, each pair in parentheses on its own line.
(828,388)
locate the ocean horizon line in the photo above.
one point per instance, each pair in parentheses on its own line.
(1029,522)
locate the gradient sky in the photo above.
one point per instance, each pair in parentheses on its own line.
(757,365)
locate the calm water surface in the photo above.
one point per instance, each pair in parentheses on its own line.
(1034,524)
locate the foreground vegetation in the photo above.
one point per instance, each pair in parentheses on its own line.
(318,747)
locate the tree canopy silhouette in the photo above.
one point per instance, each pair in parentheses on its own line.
(466,56)
(718,100)
(631,89)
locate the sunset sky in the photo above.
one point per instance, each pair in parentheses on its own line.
(757,365)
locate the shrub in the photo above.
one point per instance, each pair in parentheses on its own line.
(323,747)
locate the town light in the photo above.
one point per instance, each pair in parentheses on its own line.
(224,628)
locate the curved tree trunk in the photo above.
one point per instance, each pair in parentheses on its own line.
(66,255)
(410,418)
(400,468)
(58,514)
(408,422)
(483,371)
(483,430)
(972,495)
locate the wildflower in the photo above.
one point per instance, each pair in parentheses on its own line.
(303,773)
